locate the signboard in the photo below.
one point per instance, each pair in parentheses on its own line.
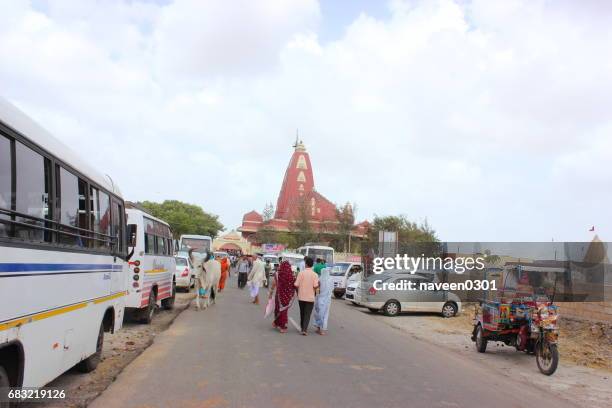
(273,248)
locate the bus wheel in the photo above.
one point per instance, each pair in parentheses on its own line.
(168,303)
(91,362)
(150,310)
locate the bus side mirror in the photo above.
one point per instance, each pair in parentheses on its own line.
(131,233)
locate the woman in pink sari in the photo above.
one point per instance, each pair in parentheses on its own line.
(283,291)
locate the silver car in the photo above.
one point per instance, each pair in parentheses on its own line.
(377,295)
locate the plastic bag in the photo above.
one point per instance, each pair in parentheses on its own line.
(269,307)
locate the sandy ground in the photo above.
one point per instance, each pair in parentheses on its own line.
(584,373)
(119,350)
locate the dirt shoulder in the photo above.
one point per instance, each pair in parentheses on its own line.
(584,376)
(120,349)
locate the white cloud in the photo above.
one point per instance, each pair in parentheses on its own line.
(488,118)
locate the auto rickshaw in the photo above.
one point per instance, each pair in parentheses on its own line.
(522,315)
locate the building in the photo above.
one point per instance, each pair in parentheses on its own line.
(298,199)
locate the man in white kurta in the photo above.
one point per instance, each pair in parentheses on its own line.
(257,276)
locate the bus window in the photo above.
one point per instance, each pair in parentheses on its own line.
(161,246)
(103,241)
(149,243)
(5,183)
(117,229)
(73,212)
(32,194)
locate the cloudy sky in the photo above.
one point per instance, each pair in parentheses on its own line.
(492,120)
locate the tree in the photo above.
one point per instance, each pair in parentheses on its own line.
(184,218)
(266,234)
(413,239)
(345,215)
(300,223)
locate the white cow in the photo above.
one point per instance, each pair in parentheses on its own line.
(211,273)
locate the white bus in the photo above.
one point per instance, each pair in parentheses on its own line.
(62,256)
(152,265)
(199,243)
(318,251)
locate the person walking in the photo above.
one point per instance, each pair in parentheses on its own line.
(268,269)
(284,293)
(243,270)
(225,265)
(257,276)
(323,301)
(306,283)
(319,265)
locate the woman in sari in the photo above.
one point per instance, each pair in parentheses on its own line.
(323,301)
(283,292)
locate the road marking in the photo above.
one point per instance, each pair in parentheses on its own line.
(297,327)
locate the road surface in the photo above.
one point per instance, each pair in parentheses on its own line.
(229,356)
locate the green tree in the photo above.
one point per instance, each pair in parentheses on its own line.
(300,223)
(345,215)
(184,218)
(266,234)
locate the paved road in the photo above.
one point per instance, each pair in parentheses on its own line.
(229,356)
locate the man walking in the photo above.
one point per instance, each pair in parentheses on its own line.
(243,270)
(319,265)
(306,283)
(257,276)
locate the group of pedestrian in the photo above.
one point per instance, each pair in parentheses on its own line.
(312,286)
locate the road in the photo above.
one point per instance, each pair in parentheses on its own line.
(229,356)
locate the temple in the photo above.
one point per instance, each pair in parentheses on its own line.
(298,199)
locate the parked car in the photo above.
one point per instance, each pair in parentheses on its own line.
(184,274)
(394,301)
(352,293)
(340,273)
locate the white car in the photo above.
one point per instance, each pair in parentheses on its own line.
(353,289)
(184,274)
(340,273)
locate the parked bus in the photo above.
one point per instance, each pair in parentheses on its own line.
(318,251)
(62,256)
(199,243)
(151,266)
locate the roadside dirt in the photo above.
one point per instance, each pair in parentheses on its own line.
(584,343)
(119,350)
(584,376)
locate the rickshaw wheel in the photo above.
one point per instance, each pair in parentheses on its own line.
(547,358)
(481,341)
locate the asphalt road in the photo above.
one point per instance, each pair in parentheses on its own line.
(229,356)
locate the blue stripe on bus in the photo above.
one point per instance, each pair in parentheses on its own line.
(50,267)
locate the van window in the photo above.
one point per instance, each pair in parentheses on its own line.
(181,262)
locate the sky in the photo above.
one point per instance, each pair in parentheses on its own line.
(491,120)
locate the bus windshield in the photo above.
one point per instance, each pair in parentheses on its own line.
(339,269)
(326,254)
(197,244)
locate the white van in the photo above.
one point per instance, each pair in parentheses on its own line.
(340,273)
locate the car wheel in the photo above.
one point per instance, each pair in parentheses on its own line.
(481,341)
(391,308)
(168,303)
(91,362)
(371,309)
(449,309)
(338,295)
